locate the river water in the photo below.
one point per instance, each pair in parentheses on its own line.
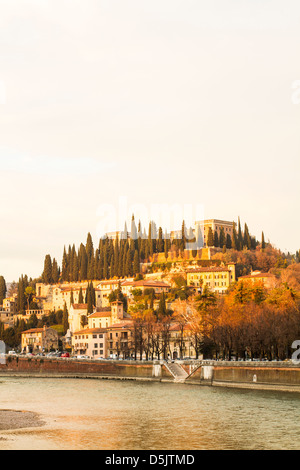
(91,414)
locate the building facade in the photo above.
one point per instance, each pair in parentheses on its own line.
(90,342)
(217,279)
(39,340)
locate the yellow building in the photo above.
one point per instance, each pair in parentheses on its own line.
(39,339)
(217,279)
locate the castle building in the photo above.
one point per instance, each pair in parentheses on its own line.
(215,225)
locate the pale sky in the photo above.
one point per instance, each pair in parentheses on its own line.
(150,101)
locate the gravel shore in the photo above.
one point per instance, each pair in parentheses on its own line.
(11,419)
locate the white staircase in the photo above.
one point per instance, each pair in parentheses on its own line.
(178,372)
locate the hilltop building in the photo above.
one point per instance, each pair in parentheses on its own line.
(216,278)
(268,280)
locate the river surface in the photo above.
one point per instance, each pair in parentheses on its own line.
(91,414)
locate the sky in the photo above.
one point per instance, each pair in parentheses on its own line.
(114,107)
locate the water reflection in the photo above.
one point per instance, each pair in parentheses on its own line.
(92,414)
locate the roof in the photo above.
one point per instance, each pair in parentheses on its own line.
(80,306)
(121,324)
(145,284)
(112,281)
(100,314)
(34,330)
(257,276)
(38,330)
(89,331)
(212,269)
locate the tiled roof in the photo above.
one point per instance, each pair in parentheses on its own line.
(145,284)
(207,270)
(34,330)
(100,314)
(80,306)
(122,324)
(87,331)
(256,275)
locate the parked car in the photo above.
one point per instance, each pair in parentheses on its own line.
(12,353)
(65,354)
(82,357)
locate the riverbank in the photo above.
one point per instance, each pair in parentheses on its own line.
(277,376)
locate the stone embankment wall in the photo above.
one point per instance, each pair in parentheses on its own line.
(72,367)
(283,376)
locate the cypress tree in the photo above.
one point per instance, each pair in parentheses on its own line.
(65,319)
(47,274)
(162,308)
(210,237)
(3,289)
(166,249)
(183,236)
(72,298)
(80,296)
(83,263)
(234,237)
(64,272)
(247,238)
(263,243)
(160,242)
(55,271)
(216,239)
(228,241)
(136,263)
(240,236)
(222,238)
(90,293)
(150,241)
